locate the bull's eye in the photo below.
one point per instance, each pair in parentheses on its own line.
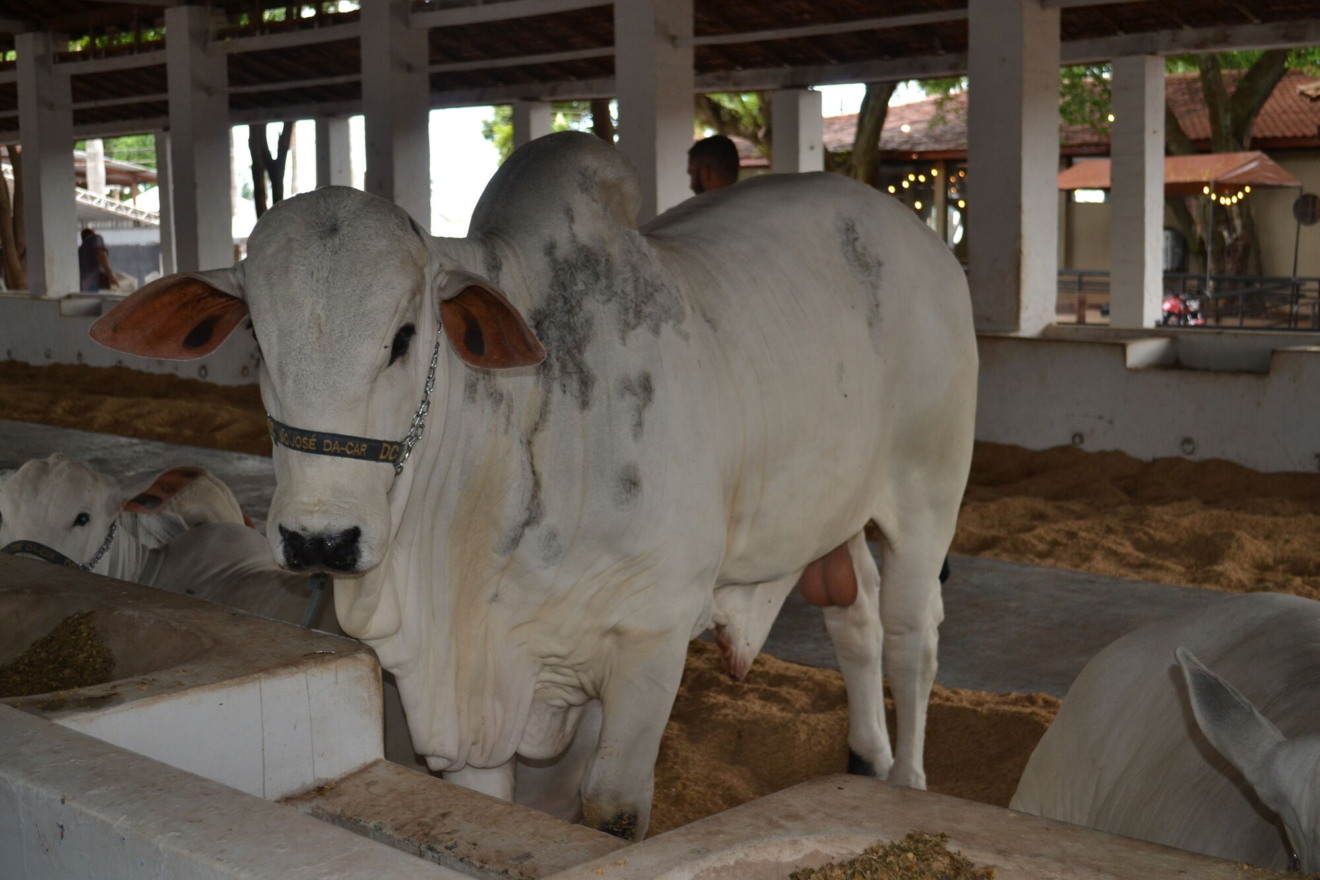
(401,340)
(82,519)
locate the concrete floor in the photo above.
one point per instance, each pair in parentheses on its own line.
(1007,628)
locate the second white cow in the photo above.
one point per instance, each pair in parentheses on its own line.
(180,529)
(1151,743)
(541,458)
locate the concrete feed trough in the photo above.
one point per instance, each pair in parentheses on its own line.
(262,706)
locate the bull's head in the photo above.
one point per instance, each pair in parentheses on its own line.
(349,303)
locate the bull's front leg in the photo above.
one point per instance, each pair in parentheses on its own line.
(636,698)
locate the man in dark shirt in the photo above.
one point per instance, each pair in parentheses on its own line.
(94,262)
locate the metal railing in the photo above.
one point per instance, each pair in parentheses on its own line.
(1246,302)
(114,206)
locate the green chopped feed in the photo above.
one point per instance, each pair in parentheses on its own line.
(919,856)
(69,656)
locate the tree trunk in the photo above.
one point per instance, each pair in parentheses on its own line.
(1233,250)
(267,169)
(258,151)
(602,124)
(12,236)
(864,161)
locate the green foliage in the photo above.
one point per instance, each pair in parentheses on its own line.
(735,114)
(140,149)
(1086,96)
(565,116)
(1306,59)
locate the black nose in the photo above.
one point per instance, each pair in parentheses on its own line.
(335,551)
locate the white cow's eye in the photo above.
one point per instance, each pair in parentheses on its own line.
(401,340)
(82,519)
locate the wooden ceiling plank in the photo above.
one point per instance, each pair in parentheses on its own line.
(522,60)
(816,30)
(1275,35)
(484,13)
(266,42)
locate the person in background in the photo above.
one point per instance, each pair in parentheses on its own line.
(94,263)
(712,164)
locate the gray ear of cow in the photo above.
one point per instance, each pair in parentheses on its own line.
(178,317)
(1232,725)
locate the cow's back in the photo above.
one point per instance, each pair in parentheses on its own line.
(1125,754)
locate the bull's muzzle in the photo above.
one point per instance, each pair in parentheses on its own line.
(335,552)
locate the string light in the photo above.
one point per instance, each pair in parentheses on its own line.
(892,188)
(917,204)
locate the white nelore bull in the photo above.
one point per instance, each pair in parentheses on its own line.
(1164,749)
(726,398)
(180,530)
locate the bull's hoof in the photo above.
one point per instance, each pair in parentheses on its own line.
(622,824)
(859,766)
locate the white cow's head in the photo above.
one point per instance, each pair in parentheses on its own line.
(349,300)
(1285,773)
(64,505)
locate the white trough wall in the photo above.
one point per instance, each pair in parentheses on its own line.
(1157,396)
(75,808)
(48,331)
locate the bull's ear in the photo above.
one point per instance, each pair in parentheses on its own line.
(144,493)
(178,317)
(1234,727)
(485,329)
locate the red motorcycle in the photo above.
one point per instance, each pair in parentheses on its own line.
(1180,309)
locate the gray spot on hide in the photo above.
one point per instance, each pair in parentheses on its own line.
(492,264)
(627,485)
(641,391)
(564,327)
(866,267)
(630,285)
(481,384)
(552,548)
(642,295)
(534,512)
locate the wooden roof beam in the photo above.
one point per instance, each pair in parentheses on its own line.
(487,12)
(817,30)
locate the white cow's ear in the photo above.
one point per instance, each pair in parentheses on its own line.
(153,530)
(1235,728)
(148,491)
(178,317)
(486,330)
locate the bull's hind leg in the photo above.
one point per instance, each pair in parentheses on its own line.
(911,610)
(857,636)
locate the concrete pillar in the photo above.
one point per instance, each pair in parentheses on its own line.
(334,161)
(1012,164)
(198,82)
(45,119)
(797,134)
(1136,241)
(164,180)
(395,96)
(94,164)
(531,120)
(656,87)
